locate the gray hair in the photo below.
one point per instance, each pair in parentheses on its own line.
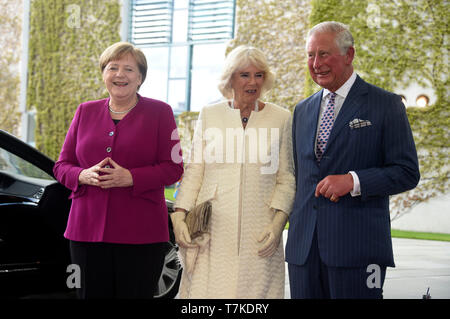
(344,38)
(238,59)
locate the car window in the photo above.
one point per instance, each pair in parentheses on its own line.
(10,163)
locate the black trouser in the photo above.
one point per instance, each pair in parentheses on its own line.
(315,280)
(118,270)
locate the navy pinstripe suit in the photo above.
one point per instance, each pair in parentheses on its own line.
(354,232)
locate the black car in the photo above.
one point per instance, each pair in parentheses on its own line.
(34,207)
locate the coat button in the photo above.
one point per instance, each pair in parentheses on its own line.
(108,149)
(111,133)
(107,166)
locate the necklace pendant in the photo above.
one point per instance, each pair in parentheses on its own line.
(245,118)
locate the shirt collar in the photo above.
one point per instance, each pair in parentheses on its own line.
(344,89)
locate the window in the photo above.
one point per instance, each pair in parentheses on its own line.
(16,168)
(151,22)
(422,100)
(211,20)
(184,42)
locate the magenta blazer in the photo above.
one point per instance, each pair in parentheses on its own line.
(142,142)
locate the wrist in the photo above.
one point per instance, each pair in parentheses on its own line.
(356,187)
(80,178)
(180,210)
(280,218)
(130,178)
(178,215)
(351,182)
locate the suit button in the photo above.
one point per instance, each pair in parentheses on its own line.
(108,149)
(315,207)
(111,133)
(107,166)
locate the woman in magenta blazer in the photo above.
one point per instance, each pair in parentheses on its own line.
(118,155)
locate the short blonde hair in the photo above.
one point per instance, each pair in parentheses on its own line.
(238,59)
(120,49)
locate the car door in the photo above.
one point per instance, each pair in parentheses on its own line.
(33,214)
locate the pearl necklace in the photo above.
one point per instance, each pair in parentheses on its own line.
(245,119)
(122,112)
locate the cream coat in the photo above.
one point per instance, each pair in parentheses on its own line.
(245,195)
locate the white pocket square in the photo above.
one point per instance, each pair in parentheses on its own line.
(358,123)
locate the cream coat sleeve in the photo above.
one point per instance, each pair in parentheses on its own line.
(284,193)
(194,170)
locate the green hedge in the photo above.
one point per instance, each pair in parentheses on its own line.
(66,40)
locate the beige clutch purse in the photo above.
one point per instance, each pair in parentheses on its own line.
(197,219)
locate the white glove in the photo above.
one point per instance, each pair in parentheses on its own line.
(180,229)
(271,235)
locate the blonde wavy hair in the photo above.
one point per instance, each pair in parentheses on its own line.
(240,58)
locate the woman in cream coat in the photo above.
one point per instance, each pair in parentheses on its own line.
(241,160)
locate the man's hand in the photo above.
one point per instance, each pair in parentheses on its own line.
(117,176)
(335,186)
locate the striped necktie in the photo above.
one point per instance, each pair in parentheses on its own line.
(325,126)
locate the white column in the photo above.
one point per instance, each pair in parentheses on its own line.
(23,129)
(125,15)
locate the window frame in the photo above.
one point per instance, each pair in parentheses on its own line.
(190,41)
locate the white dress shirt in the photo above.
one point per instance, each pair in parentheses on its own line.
(341,95)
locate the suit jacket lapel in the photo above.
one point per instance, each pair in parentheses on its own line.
(353,102)
(313,111)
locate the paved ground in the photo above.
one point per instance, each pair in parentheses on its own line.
(419,264)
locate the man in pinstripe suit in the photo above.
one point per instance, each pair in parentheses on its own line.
(339,241)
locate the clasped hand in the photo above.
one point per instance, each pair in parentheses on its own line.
(334,186)
(104,177)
